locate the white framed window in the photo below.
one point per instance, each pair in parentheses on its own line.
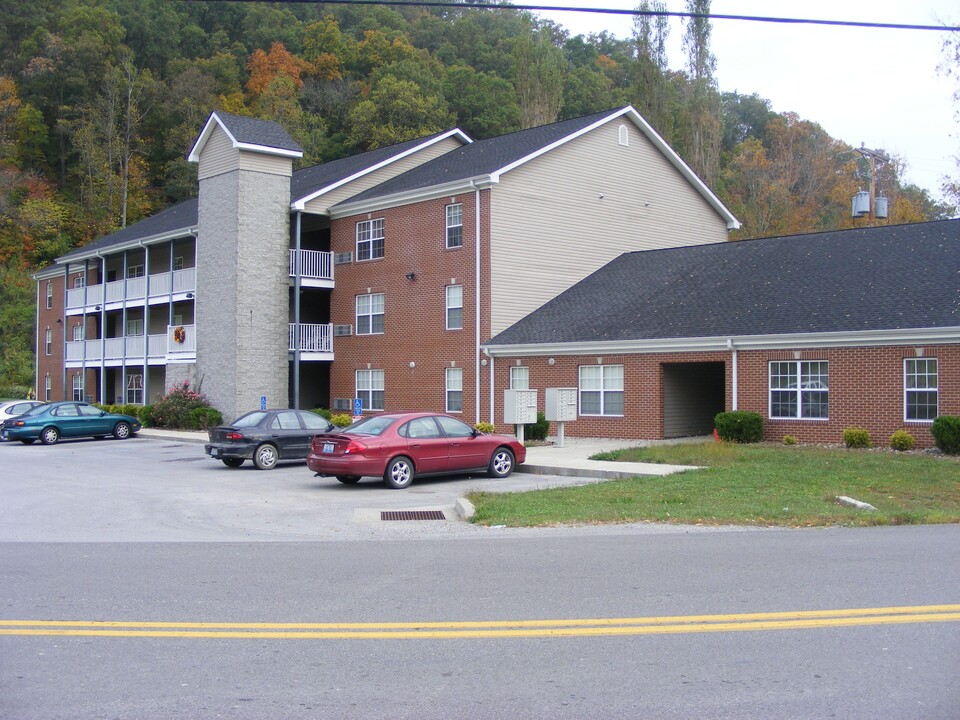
(623,135)
(178,263)
(78,332)
(79,281)
(46,387)
(49,294)
(48,342)
(370,314)
(454,384)
(78,387)
(454,225)
(799,389)
(370,239)
(454,305)
(519,377)
(920,389)
(135,271)
(370,389)
(601,390)
(134,327)
(135,389)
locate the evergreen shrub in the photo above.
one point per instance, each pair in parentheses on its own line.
(901,441)
(856,437)
(484,427)
(539,429)
(742,426)
(946,433)
(341,419)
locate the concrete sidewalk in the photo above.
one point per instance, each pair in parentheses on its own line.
(571,460)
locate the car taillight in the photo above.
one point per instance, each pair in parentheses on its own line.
(234,436)
(355,448)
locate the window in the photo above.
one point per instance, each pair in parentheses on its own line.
(78,282)
(370,314)
(519,377)
(48,342)
(135,389)
(799,389)
(46,387)
(920,389)
(286,420)
(135,271)
(454,307)
(623,135)
(178,263)
(454,389)
(455,225)
(78,387)
(370,389)
(370,239)
(49,295)
(135,327)
(78,332)
(601,389)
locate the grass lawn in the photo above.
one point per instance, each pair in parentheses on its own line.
(747,485)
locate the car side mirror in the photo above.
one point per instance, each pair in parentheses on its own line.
(474,433)
(102,413)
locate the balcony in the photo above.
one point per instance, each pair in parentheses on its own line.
(316,268)
(163,287)
(129,350)
(316,341)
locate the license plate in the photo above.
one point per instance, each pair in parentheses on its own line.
(214,452)
(329,447)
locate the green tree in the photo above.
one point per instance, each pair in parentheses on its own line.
(394,111)
(538,77)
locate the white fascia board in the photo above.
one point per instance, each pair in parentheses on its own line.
(431,192)
(214,121)
(48,272)
(791,341)
(131,244)
(301,203)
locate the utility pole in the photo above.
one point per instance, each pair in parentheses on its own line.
(872,156)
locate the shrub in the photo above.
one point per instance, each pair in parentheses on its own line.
(485,427)
(856,437)
(901,440)
(14,392)
(174,409)
(204,418)
(789,440)
(946,433)
(322,412)
(537,430)
(740,426)
(341,419)
(145,414)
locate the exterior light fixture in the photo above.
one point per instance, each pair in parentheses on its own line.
(411,276)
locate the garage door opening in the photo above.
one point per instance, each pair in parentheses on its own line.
(693,393)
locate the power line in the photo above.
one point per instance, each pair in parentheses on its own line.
(618,11)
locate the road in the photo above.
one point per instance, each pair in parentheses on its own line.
(139,580)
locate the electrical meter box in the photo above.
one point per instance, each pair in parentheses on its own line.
(519,407)
(561,404)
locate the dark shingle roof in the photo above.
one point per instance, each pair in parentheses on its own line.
(180,217)
(884,278)
(258,132)
(481,157)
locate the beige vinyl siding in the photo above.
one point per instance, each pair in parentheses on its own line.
(323,203)
(219,156)
(556,219)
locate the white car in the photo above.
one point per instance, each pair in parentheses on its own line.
(12,408)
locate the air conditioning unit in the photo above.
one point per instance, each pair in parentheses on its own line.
(343,404)
(343,258)
(341,330)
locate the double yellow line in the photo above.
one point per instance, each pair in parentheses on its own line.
(491,629)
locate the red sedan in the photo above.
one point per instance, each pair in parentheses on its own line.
(398,446)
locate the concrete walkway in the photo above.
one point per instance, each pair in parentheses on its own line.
(571,460)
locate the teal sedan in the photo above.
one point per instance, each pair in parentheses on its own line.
(52,421)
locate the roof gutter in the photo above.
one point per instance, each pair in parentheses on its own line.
(481,182)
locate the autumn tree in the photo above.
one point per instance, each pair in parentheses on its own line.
(538,78)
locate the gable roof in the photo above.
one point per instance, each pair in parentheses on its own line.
(484,161)
(310,183)
(262,136)
(888,283)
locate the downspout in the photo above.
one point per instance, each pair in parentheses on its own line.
(493,420)
(296,315)
(476,280)
(733,373)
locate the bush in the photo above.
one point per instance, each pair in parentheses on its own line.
(901,440)
(341,419)
(204,418)
(856,437)
(789,440)
(145,414)
(322,412)
(14,392)
(173,410)
(485,427)
(946,433)
(740,426)
(537,430)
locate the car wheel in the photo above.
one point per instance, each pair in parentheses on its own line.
(399,473)
(49,435)
(232,462)
(349,479)
(265,457)
(121,431)
(29,441)
(501,464)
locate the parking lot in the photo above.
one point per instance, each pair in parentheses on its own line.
(161,490)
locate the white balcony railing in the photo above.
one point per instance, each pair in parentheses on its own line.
(314,264)
(134,289)
(313,338)
(130,348)
(181,339)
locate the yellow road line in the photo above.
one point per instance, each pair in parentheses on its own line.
(738,622)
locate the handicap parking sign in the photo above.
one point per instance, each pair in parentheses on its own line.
(357,406)
(263,402)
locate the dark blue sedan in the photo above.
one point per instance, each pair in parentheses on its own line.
(52,421)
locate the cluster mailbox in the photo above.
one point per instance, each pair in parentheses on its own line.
(561,407)
(519,407)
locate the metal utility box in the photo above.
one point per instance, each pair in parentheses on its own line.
(561,404)
(519,407)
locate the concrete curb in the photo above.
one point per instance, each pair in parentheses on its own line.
(465,509)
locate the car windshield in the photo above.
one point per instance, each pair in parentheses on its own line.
(35,410)
(370,426)
(251,419)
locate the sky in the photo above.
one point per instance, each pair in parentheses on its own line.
(874,87)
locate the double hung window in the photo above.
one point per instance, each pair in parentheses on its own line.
(601,389)
(454,307)
(920,391)
(370,314)
(48,342)
(370,389)
(799,389)
(454,382)
(454,224)
(49,294)
(78,387)
(519,377)
(135,389)
(370,239)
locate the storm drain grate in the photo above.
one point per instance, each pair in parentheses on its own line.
(412,515)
